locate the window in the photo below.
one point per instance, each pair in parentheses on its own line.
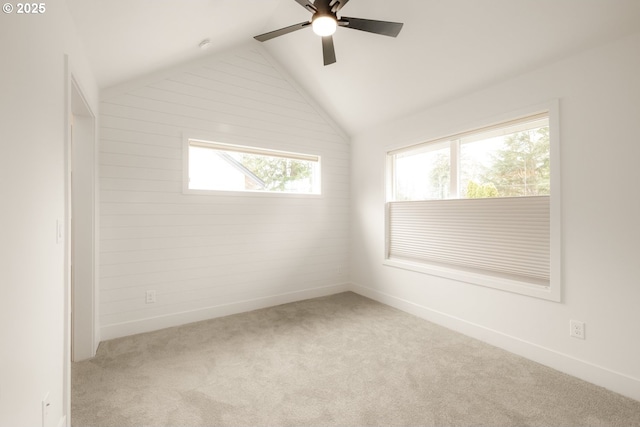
(510,160)
(226,167)
(477,207)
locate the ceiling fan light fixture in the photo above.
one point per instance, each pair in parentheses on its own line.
(324,22)
(324,25)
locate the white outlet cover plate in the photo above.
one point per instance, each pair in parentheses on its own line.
(576,329)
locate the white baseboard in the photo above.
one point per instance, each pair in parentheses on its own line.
(63,421)
(604,377)
(601,376)
(176,319)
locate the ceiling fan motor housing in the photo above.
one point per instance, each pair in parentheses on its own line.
(323,8)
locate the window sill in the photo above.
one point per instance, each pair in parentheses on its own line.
(547,292)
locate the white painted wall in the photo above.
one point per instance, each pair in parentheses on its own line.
(32,189)
(599,93)
(211,255)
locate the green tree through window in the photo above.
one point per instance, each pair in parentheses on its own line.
(278,173)
(509,161)
(477,191)
(521,167)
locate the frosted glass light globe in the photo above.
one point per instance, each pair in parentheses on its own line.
(324,26)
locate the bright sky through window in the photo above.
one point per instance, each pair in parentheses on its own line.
(507,162)
(223,167)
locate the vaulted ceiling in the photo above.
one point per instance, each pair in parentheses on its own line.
(446,48)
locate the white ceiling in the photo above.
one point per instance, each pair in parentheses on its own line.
(446,48)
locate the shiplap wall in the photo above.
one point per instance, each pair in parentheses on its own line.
(214,254)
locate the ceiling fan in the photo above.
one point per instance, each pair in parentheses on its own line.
(325,21)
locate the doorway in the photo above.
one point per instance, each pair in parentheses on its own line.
(82,226)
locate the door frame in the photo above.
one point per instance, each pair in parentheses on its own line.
(81,205)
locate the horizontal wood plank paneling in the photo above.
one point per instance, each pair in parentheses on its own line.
(223,277)
(137,238)
(199,251)
(123,160)
(153,99)
(191,93)
(128,172)
(266,208)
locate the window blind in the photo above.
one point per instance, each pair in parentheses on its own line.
(508,236)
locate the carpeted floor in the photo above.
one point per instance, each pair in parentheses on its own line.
(339,360)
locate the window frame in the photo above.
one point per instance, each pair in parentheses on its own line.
(215,145)
(552,292)
(454,145)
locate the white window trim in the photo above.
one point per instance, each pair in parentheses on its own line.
(552,292)
(210,142)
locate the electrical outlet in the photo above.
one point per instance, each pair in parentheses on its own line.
(150,297)
(576,329)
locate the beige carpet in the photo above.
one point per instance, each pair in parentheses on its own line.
(339,360)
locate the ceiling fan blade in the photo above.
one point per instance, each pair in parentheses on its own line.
(336,5)
(328,51)
(307,5)
(385,28)
(282,31)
